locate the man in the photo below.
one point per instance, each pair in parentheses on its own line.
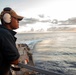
(8,51)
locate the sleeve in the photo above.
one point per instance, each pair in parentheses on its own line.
(9,49)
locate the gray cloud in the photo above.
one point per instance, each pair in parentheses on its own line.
(29,21)
(41,16)
(33,20)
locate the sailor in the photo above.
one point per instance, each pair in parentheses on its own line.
(8,51)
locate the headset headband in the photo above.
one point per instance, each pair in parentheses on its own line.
(11,12)
(7,9)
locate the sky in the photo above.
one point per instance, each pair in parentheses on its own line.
(50,9)
(55,9)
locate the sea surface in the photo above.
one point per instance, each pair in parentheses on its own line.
(52,51)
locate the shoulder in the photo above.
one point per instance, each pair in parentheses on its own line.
(4,33)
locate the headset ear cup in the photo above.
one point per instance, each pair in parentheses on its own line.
(7,18)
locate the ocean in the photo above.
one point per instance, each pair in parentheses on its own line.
(52,51)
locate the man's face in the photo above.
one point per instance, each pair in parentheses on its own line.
(14,23)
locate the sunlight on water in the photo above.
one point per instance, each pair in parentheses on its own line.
(54,51)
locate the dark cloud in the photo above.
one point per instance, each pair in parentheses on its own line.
(41,16)
(33,20)
(29,21)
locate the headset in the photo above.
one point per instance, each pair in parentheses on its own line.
(6,16)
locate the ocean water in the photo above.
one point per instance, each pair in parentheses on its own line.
(53,51)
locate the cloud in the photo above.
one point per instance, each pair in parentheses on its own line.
(41,18)
(29,21)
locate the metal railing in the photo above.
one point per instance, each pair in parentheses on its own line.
(37,69)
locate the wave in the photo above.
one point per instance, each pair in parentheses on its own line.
(31,43)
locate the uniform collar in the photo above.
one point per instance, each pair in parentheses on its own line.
(11,31)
